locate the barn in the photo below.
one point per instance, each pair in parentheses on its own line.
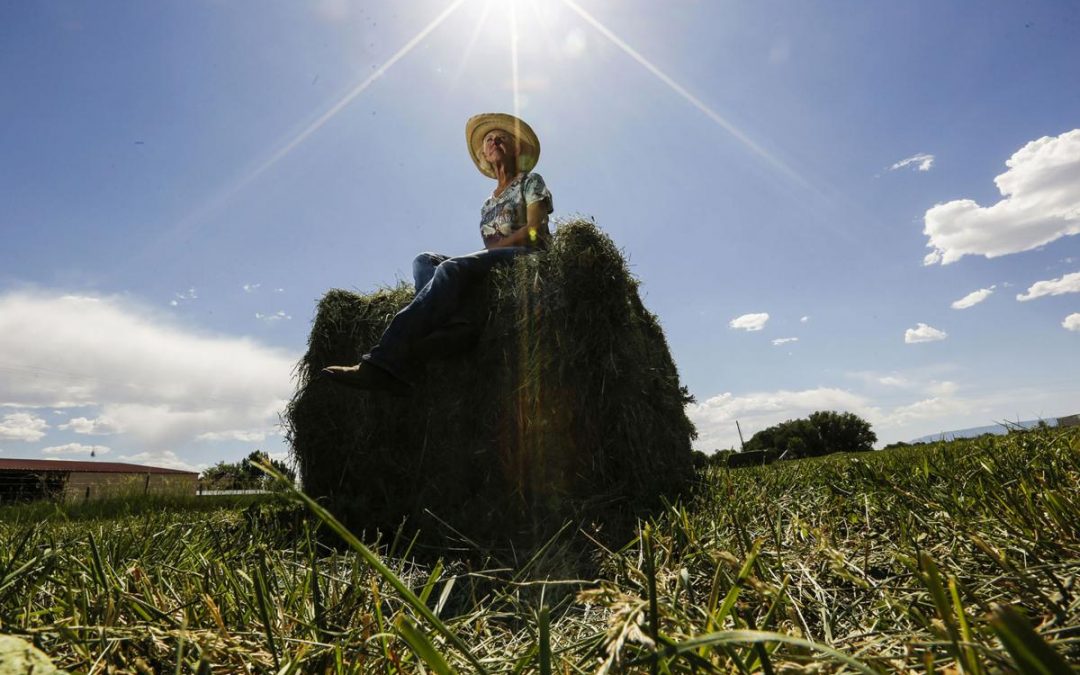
(23,480)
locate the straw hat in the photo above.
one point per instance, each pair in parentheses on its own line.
(478,126)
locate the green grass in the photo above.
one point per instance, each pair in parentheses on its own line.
(119,507)
(955,557)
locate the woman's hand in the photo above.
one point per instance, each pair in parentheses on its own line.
(536,227)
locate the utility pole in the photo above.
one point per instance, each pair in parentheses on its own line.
(742,446)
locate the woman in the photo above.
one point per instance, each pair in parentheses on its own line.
(513,221)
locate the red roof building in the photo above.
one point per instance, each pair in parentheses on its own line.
(15,464)
(31,479)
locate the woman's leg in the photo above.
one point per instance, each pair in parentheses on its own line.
(423,268)
(433,305)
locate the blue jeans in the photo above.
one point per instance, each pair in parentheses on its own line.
(440,282)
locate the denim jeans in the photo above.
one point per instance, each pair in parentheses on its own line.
(440,282)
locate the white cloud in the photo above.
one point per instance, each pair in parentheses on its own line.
(781,341)
(1072,322)
(750,322)
(76,449)
(165,459)
(22,427)
(244,435)
(1070,283)
(943,388)
(1041,203)
(804,319)
(153,380)
(893,381)
(923,333)
(183,298)
(921,161)
(973,298)
(279,315)
(935,407)
(715,418)
(922,381)
(100,426)
(251,288)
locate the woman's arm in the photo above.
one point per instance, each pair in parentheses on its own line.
(536,222)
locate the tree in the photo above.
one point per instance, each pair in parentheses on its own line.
(244,475)
(798,438)
(844,432)
(823,432)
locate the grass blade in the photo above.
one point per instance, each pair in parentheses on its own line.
(423,647)
(1032,654)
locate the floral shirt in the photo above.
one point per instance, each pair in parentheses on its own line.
(502,215)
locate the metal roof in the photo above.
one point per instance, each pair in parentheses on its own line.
(15,464)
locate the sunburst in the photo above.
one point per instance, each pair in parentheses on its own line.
(293,142)
(682,91)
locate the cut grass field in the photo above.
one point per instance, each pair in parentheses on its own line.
(953,557)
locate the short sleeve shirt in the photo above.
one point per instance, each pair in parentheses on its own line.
(501,216)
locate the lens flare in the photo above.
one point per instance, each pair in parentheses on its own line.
(191,220)
(693,100)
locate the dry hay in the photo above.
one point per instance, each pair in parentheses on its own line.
(570,404)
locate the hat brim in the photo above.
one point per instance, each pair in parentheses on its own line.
(479,126)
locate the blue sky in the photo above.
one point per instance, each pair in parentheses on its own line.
(182,181)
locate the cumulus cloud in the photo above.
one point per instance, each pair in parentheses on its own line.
(750,322)
(783,341)
(923,333)
(973,298)
(804,319)
(1040,203)
(250,288)
(22,426)
(100,426)
(921,162)
(715,418)
(165,459)
(76,449)
(158,382)
(1070,283)
(1072,322)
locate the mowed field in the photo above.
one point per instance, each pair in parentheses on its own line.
(953,557)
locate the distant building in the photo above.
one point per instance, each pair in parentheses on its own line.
(1069,421)
(23,480)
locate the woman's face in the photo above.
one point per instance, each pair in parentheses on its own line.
(498,146)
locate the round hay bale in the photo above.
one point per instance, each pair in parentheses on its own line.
(569,404)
